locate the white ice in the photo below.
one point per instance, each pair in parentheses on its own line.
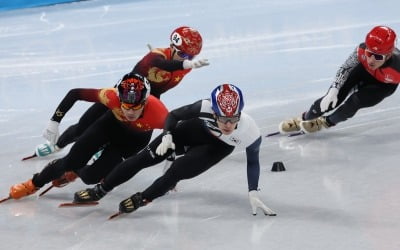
(340,189)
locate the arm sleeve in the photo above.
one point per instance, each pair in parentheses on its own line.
(344,71)
(90,95)
(182,113)
(159,61)
(168,65)
(253,164)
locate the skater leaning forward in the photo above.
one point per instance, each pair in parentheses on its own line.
(164,68)
(369,75)
(201,134)
(125,129)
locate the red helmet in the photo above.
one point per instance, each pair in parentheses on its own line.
(381,40)
(187,40)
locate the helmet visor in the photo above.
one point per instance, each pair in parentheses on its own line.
(377,57)
(130,106)
(183,55)
(226,119)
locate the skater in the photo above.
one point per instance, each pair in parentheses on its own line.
(200,134)
(369,75)
(125,129)
(163,67)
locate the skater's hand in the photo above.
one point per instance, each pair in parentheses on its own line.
(329,100)
(194,64)
(165,144)
(51,132)
(255,203)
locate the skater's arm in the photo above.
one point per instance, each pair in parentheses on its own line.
(89,95)
(183,113)
(253,173)
(253,164)
(345,69)
(161,62)
(157,59)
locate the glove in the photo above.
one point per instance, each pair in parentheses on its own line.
(330,99)
(255,203)
(194,64)
(165,144)
(51,132)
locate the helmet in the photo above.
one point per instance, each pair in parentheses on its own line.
(187,40)
(381,40)
(227,100)
(133,89)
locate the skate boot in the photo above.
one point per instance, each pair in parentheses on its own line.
(290,126)
(314,125)
(66,178)
(46,149)
(132,203)
(90,194)
(23,189)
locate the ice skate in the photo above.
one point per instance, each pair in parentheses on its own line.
(23,189)
(290,126)
(46,149)
(90,194)
(132,203)
(66,178)
(314,125)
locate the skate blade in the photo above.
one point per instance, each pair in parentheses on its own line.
(286,134)
(29,157)
(79,204)
(6,199)
(115,215)
(296,134)
(272,134)
(46,190)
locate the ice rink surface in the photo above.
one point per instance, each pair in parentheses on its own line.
(340,189)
